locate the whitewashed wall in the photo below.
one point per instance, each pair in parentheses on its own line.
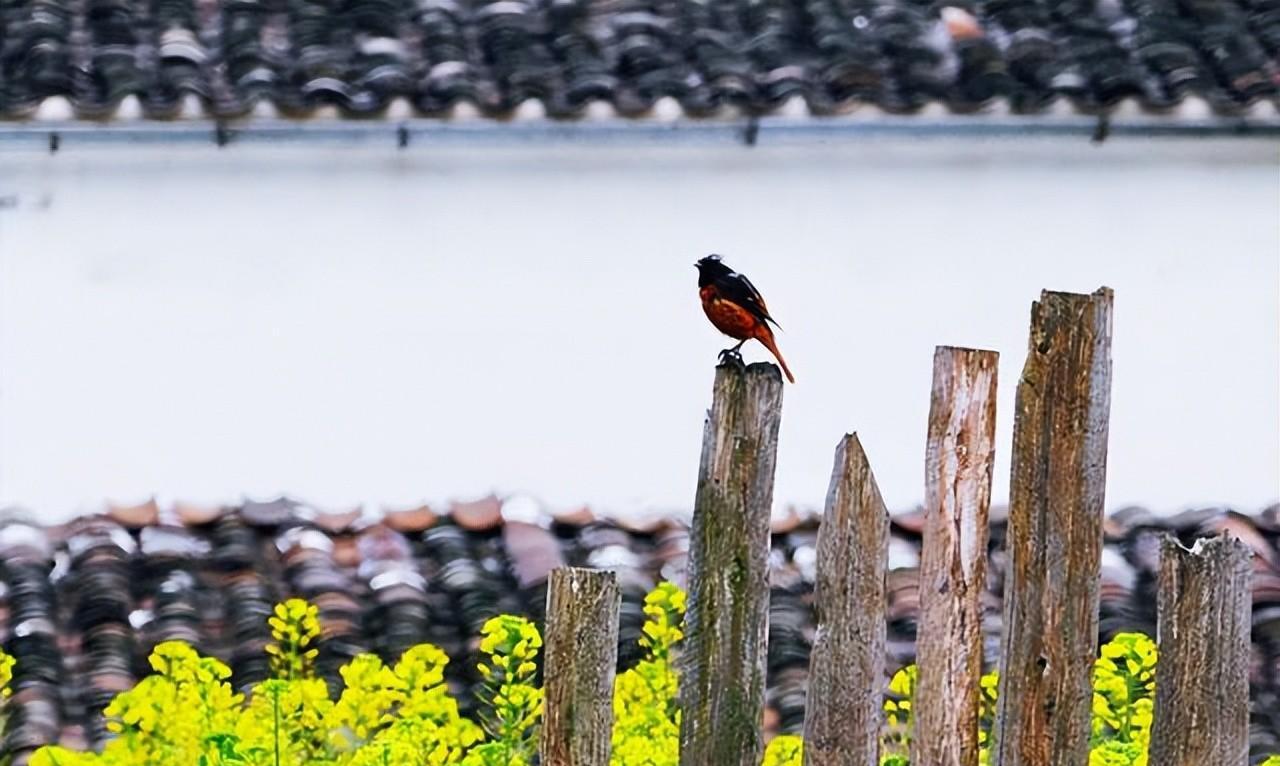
(366,325)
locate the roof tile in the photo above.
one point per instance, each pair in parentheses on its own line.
(360,57)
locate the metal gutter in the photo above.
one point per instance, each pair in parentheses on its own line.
(53,135)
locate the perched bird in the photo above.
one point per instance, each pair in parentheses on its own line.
(735,307)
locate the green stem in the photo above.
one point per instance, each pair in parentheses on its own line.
(275,708)
(1128,708)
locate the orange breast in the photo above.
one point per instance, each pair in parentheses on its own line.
(728,317)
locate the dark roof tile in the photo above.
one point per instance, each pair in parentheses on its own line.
(750,55)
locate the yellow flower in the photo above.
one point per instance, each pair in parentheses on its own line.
(422,667)
(59,756)
(370,692)
(897,709)
(646,729)
(785,750)
(665,608)
(295,625)
(6,673)
(186,713)
(1123,701)
(514,704)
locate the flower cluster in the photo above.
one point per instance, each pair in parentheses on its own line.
(514,703)
(989,684)
(400,714)
(898,716)
(295,625)
(785,750)
(665,607)
(6,676)
(187,714)
(898,713)
(1123,695)
(1124,690)
(167,718)
(646,716)
(6,673)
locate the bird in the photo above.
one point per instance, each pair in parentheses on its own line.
(736,308)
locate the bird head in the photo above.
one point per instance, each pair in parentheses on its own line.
(710,269)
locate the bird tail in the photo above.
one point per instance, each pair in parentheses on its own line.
(766,338)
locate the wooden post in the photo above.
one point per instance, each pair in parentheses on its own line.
(953,561)
(846,668)
(581,656)
(1202,676)
(1055,534)
(723,659)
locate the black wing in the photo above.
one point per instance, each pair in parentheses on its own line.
(737,288)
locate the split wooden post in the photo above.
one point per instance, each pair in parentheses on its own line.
(723,658)
(846,668)
(1202,678)
(1055,534)
(953,561)
(581,656)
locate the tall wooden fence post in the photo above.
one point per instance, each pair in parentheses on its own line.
(953,561)
(846,668)
(1202,677)
(581,658)
(1055,534)
(723,659)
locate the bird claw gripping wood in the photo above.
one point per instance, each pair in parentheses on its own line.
(733,356)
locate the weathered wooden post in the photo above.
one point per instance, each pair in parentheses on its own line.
(1202,677)
(953,562)
(846,668)
(723,659)
(581,656)
(1055,533)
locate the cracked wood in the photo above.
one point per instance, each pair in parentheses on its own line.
(846,668)
(724,651)
(953,563)
(1202,676)
(1057,479)
(581,656)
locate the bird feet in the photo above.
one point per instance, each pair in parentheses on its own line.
(733,356)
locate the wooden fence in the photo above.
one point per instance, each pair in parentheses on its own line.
(1050,618)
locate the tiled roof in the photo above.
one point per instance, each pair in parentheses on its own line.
(82,604)
(228,56)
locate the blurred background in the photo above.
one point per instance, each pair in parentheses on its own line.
(354,324)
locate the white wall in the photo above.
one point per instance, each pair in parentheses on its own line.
(361,325)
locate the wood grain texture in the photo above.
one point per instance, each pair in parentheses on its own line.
(953,561)
(1054,538)
(846,667)
(723,655)
(581,654)
(1202,677)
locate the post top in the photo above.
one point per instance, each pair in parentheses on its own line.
(768,369)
